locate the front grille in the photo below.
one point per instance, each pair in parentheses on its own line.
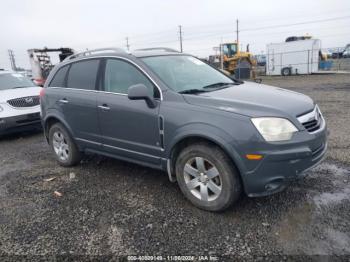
(28,101)
(312,125)
(312,121)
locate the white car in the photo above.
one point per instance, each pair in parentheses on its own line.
(19,103)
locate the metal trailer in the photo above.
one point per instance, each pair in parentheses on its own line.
(294,57)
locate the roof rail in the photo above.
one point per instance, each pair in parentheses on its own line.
(99,50)
(165,49)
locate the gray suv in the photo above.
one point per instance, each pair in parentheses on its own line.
(214,135)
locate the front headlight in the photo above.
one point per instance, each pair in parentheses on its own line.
(1,109)
(274,129)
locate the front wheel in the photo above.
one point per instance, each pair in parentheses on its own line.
(207,177)
(63,146)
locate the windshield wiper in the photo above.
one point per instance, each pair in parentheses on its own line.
(207,88)
(192,91)
(17,87)
(220,84)
(237,81)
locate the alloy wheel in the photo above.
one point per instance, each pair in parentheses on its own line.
(60,146)
(202,179)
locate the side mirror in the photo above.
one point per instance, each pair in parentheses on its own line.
(141,92)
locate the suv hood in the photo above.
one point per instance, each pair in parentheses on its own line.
(8,94)
(254,100)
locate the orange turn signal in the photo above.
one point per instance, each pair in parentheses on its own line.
(253,157)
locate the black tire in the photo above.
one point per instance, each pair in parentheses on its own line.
(229,177)
(72,152)
(286,71)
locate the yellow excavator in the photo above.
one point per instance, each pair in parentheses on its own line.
(237,62)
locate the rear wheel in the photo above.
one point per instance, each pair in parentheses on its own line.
(63,146)
(286,71)
(207,177)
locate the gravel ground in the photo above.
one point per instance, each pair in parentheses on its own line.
(109,207)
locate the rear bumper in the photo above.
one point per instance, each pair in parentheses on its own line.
(280,167)
(19,123)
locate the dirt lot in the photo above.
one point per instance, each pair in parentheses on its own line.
(110,207)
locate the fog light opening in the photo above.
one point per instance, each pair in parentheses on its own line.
(274,185)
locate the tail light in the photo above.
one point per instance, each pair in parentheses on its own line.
(42,92)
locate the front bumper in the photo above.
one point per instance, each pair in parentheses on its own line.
(19,123)
(282,164)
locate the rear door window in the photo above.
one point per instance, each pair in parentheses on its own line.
(83,74)
(59,79)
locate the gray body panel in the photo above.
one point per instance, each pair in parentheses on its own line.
(79,112)
(129,128)
(132,131)
(256,100)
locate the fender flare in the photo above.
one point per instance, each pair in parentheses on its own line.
(55,114)
(211,133)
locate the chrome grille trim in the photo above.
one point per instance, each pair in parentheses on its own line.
(29,101)
(313,121)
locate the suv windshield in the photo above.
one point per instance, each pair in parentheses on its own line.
(184,73)
(14,80)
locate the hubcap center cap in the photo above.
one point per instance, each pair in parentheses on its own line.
(203,178)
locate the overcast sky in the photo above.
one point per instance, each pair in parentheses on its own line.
(82,24)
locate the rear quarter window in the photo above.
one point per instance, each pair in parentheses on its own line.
(59,78)
(83,74)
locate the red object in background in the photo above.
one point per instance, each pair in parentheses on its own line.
(39,82)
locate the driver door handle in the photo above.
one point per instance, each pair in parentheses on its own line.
(64,101)
(104,107)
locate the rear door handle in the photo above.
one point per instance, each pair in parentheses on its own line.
(64,101)
(104,107)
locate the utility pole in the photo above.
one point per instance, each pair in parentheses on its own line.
(127,43)
(237,31)
(12,60)
(180,32)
